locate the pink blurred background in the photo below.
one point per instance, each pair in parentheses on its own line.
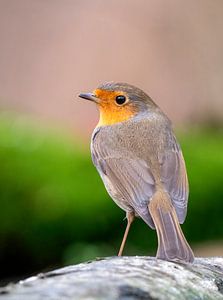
(52,49)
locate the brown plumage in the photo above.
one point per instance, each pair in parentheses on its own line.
(141,164)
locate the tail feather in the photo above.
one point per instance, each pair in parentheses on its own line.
(172,244)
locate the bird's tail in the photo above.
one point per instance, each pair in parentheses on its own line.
(172,244)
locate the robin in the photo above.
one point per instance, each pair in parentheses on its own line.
(141,164)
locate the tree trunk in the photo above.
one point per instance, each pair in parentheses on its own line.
(124,278)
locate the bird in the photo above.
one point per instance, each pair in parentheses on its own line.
(135,151)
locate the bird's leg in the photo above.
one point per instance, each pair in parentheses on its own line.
(130,217)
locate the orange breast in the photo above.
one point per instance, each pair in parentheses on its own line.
(110,115)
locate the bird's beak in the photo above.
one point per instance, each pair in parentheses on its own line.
(89,96)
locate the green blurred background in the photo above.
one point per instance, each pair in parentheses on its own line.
(54,209)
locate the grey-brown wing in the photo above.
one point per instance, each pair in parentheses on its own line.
(174,178)
(128,181)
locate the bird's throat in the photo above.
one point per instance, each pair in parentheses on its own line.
(110,115)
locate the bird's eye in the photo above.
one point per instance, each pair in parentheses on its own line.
(121,99)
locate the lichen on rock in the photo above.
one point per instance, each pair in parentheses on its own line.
(125,278)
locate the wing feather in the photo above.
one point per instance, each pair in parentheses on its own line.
(129,180)
(174,178)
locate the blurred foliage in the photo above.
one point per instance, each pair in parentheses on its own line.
(54,208)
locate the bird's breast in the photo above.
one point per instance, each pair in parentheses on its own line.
(111,114)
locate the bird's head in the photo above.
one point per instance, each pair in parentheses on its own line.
(119,102)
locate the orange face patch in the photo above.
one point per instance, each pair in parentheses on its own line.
(110,112)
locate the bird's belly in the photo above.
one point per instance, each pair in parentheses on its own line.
(116,196)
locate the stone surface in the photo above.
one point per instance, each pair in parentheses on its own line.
(124,278)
